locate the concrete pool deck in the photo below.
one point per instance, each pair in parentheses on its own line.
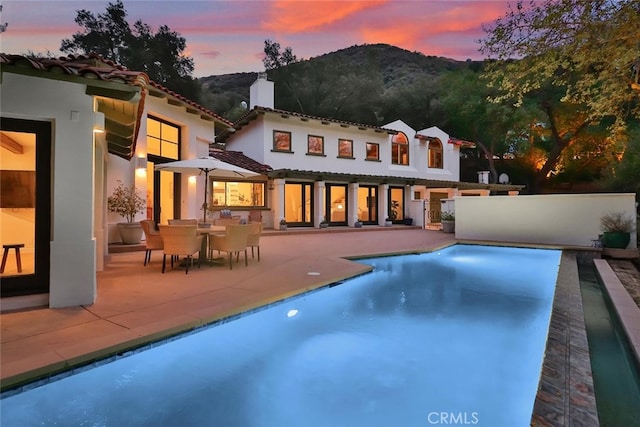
(137,305)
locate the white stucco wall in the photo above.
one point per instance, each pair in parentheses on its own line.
(73,260)
(196,134)
(562,219)
(256,141)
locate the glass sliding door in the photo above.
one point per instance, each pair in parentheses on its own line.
(25,206)
(396,204)
(336,204)
(298,203)
(368,204)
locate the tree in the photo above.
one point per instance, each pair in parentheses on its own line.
(576,57)
(587,47)
(274,58)
(495,127)
(159,54)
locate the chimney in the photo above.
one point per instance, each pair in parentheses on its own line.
(261,92)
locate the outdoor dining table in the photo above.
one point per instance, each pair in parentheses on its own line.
(204,249)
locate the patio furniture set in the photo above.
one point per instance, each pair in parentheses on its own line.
(183,239)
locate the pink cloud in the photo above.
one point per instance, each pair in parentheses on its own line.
(210,53)
(287,16)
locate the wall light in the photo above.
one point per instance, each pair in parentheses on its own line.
(141,163)
(192,179)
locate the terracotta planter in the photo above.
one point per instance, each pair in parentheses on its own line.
(130,232)
(615,239)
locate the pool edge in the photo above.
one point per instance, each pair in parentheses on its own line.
(565,394)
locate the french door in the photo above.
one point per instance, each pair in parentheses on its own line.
(25,205)
(298,206)
(368,204)
(336,206)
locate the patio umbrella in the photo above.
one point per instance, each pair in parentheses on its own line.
(208,165)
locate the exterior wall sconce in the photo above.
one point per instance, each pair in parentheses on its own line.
(141,163)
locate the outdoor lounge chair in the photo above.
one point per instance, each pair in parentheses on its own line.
(180,240)
(153,239)
(233,242)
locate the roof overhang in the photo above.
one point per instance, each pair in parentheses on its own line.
(392,180)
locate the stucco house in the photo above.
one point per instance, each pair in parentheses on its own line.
(70,129)
(342,171)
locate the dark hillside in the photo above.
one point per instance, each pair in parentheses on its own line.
(367,83)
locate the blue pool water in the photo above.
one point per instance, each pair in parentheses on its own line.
(453,337)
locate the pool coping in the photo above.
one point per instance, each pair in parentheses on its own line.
(565,392)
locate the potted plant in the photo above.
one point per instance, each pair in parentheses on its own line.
(448,221)
(126,202)
(616,229)
(407,220)
(388,222)
(324,223)
(283,224)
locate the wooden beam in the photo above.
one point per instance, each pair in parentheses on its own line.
(10,144)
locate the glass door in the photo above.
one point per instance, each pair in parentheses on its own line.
(163,190)
(396,204)
(298,205)
(25,206)
(368,204)
(336,204)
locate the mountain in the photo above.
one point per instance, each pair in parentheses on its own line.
(363,83)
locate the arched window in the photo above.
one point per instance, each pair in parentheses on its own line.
(435,153)
(400,149)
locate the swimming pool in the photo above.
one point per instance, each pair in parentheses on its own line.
(456,335)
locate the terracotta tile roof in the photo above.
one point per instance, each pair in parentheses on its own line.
(93,66)
(237,158)
(257,110)
(451,140)
(191,103)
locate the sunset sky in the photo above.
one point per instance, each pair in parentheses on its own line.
(227,36)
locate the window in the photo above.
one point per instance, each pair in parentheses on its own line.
(345,148)
(237,194)
(315,145)
(400,149)
(163,139)
(281,141)
(435,153)
(373,151)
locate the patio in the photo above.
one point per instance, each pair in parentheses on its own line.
(138,304)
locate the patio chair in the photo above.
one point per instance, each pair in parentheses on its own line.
(255,216)
(189,221)
(253,240)
(233,242)
(153,239)
(180,240)
(227,220)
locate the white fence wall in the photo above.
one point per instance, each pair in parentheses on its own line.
(562,219)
